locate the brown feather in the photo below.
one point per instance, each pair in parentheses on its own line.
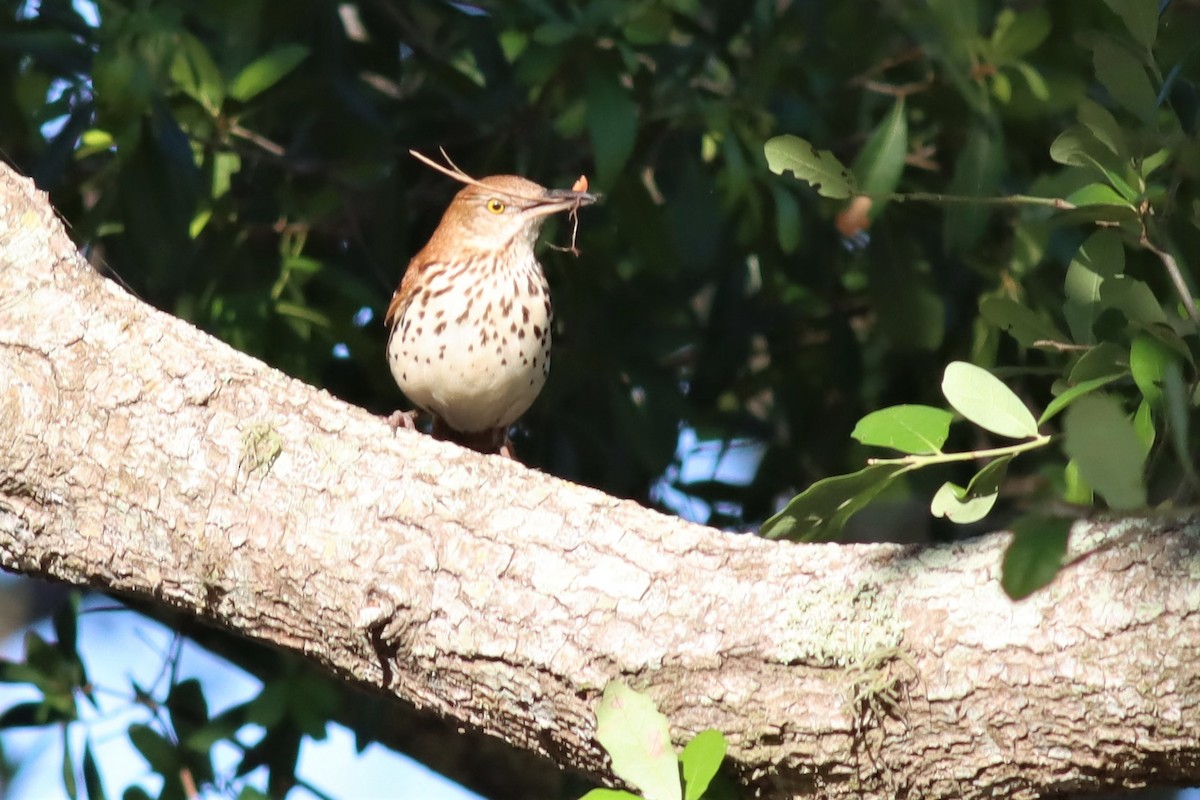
(409,284)
(401,296)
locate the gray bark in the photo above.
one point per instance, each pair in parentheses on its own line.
(141,456)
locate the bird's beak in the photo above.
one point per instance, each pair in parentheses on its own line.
(555,200)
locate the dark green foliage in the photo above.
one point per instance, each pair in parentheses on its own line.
(1132,325)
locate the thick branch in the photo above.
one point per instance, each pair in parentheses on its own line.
(139,455)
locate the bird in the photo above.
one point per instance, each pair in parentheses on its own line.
(470,324)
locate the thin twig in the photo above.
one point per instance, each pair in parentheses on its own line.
(1172,266)
(257,139)
(900,90)
(1062,347)
(949,199)
(912,54)
(913,461)
(462,177)
(573,215)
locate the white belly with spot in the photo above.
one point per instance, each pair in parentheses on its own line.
(475,354)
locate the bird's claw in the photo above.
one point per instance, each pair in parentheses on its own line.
(402,419)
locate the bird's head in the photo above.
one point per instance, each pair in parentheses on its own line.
(505,210)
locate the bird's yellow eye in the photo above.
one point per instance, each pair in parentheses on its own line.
(495,205)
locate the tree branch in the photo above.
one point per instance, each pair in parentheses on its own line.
(140,456)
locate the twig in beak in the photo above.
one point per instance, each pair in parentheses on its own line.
(573,215)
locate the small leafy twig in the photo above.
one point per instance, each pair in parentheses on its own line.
(258,140)
(919,461)
(953,199)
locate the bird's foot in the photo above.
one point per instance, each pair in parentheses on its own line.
(403,419)
(490,441)
(506,448)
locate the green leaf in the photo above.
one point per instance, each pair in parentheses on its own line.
(987,481)
(638,740)
(983,398)
(609,794)
(909,428)
(1001,86)
(788,220)
(1143,426)
(1034,80)
(303,314)
(1102,441)
(1100,257)
(881,161)
(158,751)
(612,124)
(70,784)
(555,32)
(975,502)
(1097,194)
(1106,358)
(819,168)
(27,715)
(1018,34)
(269,708)
(1178,416)
(224,166)
(701,758)
(950,501)
(92,783)
(911,310)
(977,173)
(1019,321)
(222,726)
(1104,127)
(649,25)
(1078,147)
(1075,489)
(1073,147)
(1149,359)
(822,510)
(1166,334)
(1103,215)
(1074,393)
(199,222)
(66,618)
(1034,556)
(959,32)
(195,72)
(264,72)
(251,793)
(1134,299)
(94,141)
(1153,162)
(55,673)
(188,708)
(1140,17)
(311,703)
(1124,76)
(42,658)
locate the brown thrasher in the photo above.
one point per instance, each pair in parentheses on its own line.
(470,323)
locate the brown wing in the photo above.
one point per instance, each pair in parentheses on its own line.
(396,307)
(404,292)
